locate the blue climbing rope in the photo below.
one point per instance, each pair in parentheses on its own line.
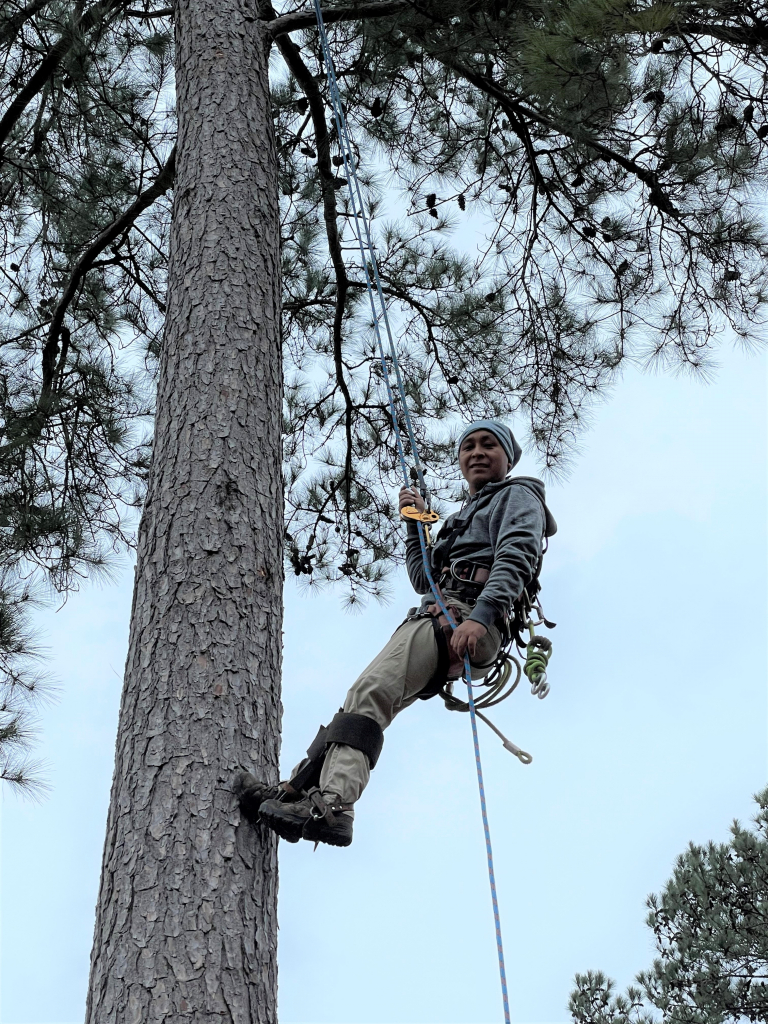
(380,316)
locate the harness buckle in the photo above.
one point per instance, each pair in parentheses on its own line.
(466,575)
(318,808)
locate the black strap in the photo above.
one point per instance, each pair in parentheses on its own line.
(440,675)
(452,531)
(308,773)
(358,731)
(318,744)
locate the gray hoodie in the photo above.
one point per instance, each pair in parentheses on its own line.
(509,520)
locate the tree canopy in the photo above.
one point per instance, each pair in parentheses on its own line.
(710,927)
(558,188)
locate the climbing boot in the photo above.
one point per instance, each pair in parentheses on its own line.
(328,822)
(309,818)
(251,794)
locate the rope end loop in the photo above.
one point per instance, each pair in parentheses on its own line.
(523,756)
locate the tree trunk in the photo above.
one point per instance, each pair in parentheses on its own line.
(186,925)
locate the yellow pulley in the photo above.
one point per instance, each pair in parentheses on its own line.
(411,512)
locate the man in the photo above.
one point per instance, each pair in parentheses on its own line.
(483,558)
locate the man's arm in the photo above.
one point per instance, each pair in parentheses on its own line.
(414,562)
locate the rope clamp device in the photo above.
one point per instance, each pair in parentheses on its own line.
(411,512)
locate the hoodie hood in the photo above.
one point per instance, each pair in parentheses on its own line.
(533,484)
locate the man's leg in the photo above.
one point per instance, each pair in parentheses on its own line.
(390,683)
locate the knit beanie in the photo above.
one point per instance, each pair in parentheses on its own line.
(505,437)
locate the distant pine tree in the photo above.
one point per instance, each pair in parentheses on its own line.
(709,925)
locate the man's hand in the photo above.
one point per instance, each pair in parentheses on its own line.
(411,497)
(465,637)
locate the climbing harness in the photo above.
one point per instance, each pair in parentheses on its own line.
(466,578)
(422,520)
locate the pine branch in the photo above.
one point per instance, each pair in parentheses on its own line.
(406,296)
(514,108)
(159,187)
(142,285)
(307,82)
(520,128)
(51,61)
(731,34)
(19,19)
(361,12)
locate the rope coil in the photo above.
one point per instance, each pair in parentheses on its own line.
(497,689)
(537,655)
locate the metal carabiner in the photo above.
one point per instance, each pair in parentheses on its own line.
(465,561)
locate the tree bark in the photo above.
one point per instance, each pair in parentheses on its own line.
(186,925)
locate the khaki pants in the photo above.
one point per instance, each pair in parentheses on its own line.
(390,683)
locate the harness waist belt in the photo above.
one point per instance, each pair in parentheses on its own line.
(464,575)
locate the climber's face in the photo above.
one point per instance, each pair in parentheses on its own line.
(482,460)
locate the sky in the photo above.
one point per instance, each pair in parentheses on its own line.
(654,734)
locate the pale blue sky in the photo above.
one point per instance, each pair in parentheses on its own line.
(654,734)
